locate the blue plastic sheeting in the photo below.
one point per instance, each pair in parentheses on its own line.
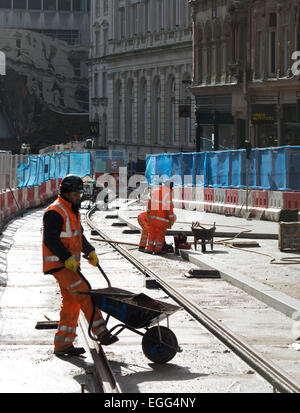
(268,168)
(41,168)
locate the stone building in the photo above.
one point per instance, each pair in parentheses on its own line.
(245,77)
(66,20)
(140,69)
(44,93)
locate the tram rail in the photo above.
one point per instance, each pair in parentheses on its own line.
(103,371)
(279,379)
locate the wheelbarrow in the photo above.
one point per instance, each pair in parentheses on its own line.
(137,311)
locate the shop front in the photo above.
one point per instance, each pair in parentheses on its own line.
(215,123)
(264,121)
(291,124)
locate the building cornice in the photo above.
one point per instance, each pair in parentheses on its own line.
(141,52)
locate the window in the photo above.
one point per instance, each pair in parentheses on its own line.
(104,80)
(121,22)
(49,4)
(285,50)
(157,111)
(272,53)
(97,43)
(130,112)
(35,4)
(97,8)
(78,5)
(144,110)
(177,13)
(5,4)
(173,111)
(161,15)
(20,4)
(147,16)
(105,41)
(272,43)
(96,85)
(259,54)
(134,19)
(64,5)
(105,7)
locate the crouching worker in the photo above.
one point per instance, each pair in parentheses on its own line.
(144,223)
(161,217)
(63,243)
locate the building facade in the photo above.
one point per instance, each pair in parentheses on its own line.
(66,20)
(245,77)
(140,69)
(44,95)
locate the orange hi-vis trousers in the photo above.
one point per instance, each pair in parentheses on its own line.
(156,238)
(144,223)
(69,282)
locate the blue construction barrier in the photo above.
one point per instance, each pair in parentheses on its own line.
(269,168)
(41,168)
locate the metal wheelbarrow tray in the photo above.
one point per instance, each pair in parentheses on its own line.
(136,311)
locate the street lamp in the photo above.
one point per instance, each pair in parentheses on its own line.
(248,148)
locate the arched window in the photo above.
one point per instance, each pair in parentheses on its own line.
(208,40)
(104,128)
(217,39)
(130,112)
(157,111)
(118,109)
(142,110)
(171,110)
(199,68)
(186,126)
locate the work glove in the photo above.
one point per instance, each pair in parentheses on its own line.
(71,264)
(93,259)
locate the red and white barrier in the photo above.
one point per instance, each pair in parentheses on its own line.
(2,215)
(209,198)
(231,201)
(261,203)
(219,200)
(275,205)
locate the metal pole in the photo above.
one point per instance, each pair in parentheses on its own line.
(247,184)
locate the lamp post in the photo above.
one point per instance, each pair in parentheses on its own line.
(248,148)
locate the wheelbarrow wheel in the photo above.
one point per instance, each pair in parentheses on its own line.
(156,351)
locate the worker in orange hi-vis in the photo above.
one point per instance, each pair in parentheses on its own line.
(63,243)
(144,223)
(161,217)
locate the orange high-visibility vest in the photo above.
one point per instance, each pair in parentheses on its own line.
(70,236)
(160,207)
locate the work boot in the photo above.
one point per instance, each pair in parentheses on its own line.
(70,351)
(160,252)
(142,249)
(148,252)
(108,339)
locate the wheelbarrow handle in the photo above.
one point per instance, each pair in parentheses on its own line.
(101,270)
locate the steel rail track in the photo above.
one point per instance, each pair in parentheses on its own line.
(102,367)
(278,378)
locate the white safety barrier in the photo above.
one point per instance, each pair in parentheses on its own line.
(219,200)
(261,203)
(11,201)
(8,170)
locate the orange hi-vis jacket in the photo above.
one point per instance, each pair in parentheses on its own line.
(70,236)
(160,207)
